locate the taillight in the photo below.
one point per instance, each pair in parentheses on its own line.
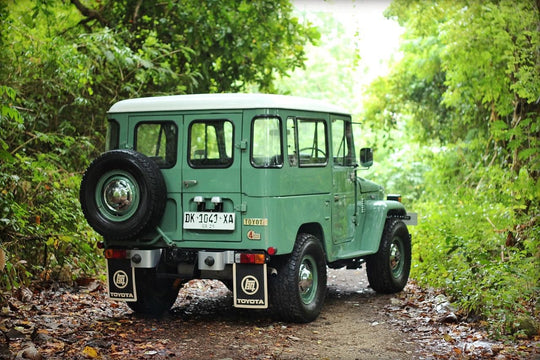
(250,258)
(115,254)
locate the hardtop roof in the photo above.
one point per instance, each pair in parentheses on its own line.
(223,102)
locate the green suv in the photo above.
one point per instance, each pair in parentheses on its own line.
(259,191)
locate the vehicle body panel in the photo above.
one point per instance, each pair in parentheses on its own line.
(271,205)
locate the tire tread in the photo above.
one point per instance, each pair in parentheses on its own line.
(377,265)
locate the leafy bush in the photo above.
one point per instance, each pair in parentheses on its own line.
(42,229)
(479,238)
(63,65)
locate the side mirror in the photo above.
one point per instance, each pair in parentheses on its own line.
(366,157)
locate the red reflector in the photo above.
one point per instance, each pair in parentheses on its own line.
(246,258)
(115,254)
(271,251)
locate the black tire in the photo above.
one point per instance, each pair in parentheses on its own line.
(388,269)
(123,194)
(293,299)
(154,295)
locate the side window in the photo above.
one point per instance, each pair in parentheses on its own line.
(312,143)
(266,142)
(210,144)
(157,141)
(342,144)
(113,135)
(292,152)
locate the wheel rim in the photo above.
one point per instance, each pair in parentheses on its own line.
(307,279)
(117,195)
(396,257)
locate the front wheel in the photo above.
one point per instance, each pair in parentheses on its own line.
(388,269)
(155,295)
(298,290)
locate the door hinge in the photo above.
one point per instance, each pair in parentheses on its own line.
(242,145)
(242,207)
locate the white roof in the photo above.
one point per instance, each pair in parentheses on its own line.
(223,102)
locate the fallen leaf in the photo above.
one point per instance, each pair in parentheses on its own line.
(448,338)
(90,352)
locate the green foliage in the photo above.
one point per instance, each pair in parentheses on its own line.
(466,94)
(65,62)
(468,65)
(206,46)
(476,239)
(41,225)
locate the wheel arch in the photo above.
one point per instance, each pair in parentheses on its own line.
(314,229)
(375,218)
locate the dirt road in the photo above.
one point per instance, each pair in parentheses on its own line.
(58,322)
(353,325)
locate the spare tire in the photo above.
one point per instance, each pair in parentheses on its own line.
(123,194)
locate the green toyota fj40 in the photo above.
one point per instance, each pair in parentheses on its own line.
(259,191)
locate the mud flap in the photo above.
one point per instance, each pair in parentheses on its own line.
(250,286)
(121,280)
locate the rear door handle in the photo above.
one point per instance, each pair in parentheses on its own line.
(188,183)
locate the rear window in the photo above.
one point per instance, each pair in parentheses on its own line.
(158,141)
(211,144)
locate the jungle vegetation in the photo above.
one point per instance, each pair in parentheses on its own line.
(455,124)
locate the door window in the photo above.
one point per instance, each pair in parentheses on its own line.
(342,145)
(312,144)
(210,144)
(266,149)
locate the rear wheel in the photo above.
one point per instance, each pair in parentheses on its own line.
(298,290)
(155,295)
(388,269)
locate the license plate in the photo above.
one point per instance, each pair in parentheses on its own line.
(209,221)
(412,219)
(121,280)
(250,287)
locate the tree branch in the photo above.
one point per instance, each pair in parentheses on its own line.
(91,14)
(136,13)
